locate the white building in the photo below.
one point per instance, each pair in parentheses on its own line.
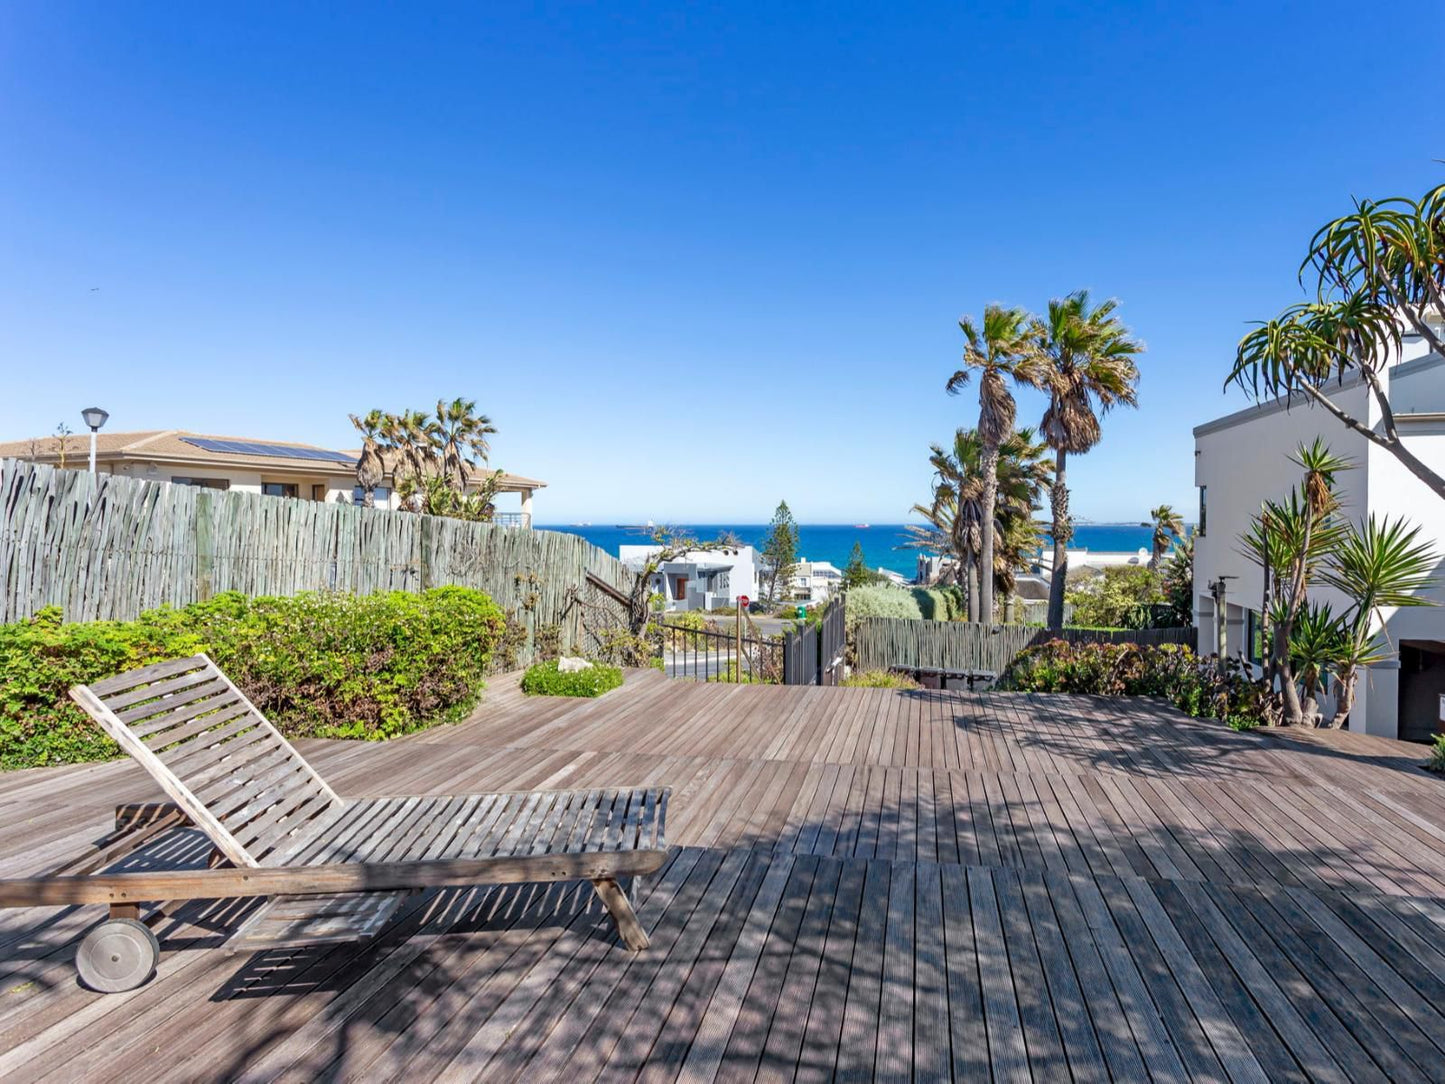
(1242,459)
(274,468)
(699,579)
(815,581)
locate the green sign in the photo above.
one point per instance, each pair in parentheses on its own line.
(802,612)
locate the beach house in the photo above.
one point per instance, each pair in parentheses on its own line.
(273,468)
(815,581)
(703,579)
(1242,459)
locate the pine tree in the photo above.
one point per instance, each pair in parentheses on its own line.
(858,574)
(780,551)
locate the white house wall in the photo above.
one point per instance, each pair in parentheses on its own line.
(1247,462)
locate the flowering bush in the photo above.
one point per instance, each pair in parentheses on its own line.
(317,665)
(1191,683)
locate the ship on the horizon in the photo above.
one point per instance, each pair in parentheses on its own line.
(861,526)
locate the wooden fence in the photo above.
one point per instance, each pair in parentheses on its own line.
(813,654)
(882,643)
(109,547)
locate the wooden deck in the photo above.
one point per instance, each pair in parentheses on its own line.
(868,884)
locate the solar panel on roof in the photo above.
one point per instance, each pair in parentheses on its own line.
(280,451)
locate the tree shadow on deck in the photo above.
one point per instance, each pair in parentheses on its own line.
(1149,736)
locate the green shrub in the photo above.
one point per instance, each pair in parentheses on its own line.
(1436,763)
(317,665)
(1173,671)
(917,603)
(544,679)
(1121,597)
(879,679)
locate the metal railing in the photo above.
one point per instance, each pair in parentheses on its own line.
(716,653)
(511,519)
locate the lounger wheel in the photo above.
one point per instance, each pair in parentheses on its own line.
(119,954)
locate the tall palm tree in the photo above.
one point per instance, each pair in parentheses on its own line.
(1168,525)
(1088,369)
(999,349)
(370,468)
(461,438)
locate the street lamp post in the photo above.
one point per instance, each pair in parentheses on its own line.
(95,418)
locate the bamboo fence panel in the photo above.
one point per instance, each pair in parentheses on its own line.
(882,643)
(108,548)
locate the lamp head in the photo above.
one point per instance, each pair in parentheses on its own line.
(94,417)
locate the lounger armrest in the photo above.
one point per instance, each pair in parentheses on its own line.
(324,880)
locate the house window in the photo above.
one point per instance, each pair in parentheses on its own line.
(203,483)
(1203,508)
(279,489)
(381,494)
(1254,637)
(318,491)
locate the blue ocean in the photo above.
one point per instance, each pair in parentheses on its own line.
(833,542)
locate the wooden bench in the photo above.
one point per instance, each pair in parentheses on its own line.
(331,868)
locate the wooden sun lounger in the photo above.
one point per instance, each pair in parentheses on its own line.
(331,868)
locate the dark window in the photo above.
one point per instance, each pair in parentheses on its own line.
(1254,636)
(203,483)
(279,489)
(379,495)
(1203,508)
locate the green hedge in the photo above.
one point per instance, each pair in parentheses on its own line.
(317,665)
(544,679)
(1191,683)
(918,603)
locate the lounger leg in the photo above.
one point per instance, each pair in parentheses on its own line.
(615,900)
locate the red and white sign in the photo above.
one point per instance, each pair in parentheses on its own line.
(743,600)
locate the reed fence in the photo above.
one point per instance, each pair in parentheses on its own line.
(109,547)
(883,643)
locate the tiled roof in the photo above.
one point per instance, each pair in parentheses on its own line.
(173,445)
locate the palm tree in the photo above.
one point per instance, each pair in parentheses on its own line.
(370,468)
(955,518)
(956,492)
(1168,525)
(1088,369)
(1000,349)
(461,438)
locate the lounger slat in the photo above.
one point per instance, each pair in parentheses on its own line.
(183,730)
(147,674)
(156,694)
(155,714)
(226,768)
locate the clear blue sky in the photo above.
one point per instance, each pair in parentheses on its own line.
(690,260)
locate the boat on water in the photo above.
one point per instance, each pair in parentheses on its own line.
(861,526)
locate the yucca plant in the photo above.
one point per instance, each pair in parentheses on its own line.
(1379,272)
(1290,539)
(1377,564)
(1317,643)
